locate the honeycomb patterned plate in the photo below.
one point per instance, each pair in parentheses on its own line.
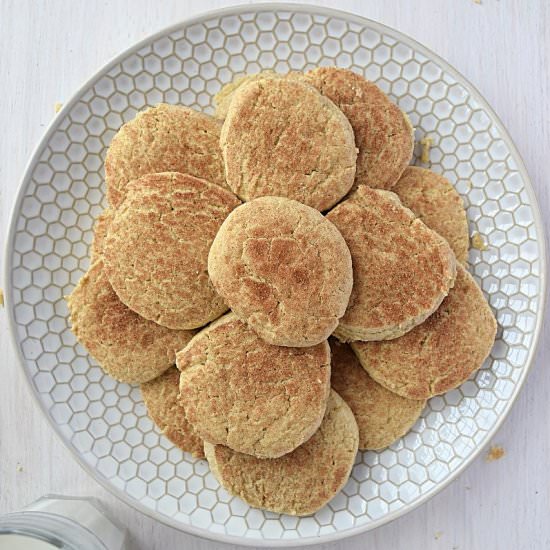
(104,422)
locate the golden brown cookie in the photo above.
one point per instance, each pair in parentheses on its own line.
(402,270)
(435,201)
(282,267)
(283,138)
(439,354)
(224,97)
(165,138)
(156,248)
(382,416)
(100,230)
(161,400)
(301,482)
(255,398)
(383,133)
(126,346)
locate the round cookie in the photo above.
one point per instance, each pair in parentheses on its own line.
(255,398)
(283,138)
(402,270)
(436,202)
(442,352)
(100,231)
(126,346)
(383,133)
(165,138)
(156,248)
(282,267)
(301,482)
(382,416)
(224,97)
(161,400)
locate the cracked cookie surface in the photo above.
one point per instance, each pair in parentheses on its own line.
(101,226)
(439,354)
(281,137)
(402,270)
(284,269)
(383,133)
(165,138)
(301,482)
(382,416)
(127,347)
(161,400)
(255,398)
(436,202)
(156,248)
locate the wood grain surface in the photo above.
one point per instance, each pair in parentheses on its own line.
(49,48)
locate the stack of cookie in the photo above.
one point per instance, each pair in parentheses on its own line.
(279,305)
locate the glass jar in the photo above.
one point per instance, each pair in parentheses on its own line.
(69,523)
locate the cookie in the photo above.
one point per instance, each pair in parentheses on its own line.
(126,346)
(402,270)
(165,138)
(156,248)
(100,231)
(283,138)
(383,133)
(255,398)
(224,97)
(161,400)
(436,202)
(442,352)
(284,269)
(299,483)
(382,416)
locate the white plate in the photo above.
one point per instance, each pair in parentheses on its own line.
(104,423)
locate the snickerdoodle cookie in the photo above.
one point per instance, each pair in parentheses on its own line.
(165,138)
(301,482)
(284,269)
(126,346)
(436,202)
(255,398)
(442,352)
(402,270)
(100,230)
(161,400)
(281,137)
(156,248)
(382,416)
(383,133)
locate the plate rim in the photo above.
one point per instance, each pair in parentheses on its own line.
(257,8)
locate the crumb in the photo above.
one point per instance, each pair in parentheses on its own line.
(1,298)
(478,242)
(438,535)
(496,452)
(469,185)
(426,143)
(477,1)
(58,106)
(19,467)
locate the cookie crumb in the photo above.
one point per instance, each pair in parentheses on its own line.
(438,535)
(58,106)
(19,467)
(426,143)
(1,298)
(478,242)
(496,452)
(477,1)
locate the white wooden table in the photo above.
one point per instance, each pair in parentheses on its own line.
(48,48)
